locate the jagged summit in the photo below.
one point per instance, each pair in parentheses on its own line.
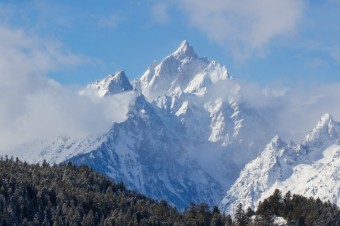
(325,120)
(275,145)
(118,83)
(185,50)
(277,141)
(181,71)
(112,84)
(325,133)
(327,129)
(118,75)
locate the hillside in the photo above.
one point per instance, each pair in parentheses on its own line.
(69,195)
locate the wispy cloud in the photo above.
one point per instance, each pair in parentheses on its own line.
(160,12)
(23,54)
(300,108)
(293,111)
(34,107)
(245,27)
(321,31)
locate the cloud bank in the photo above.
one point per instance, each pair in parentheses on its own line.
(292,111)
(245,27)
(33,107)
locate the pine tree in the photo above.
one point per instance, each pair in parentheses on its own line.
(240,216)
(276,203)
(266,212)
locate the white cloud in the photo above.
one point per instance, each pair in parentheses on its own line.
(33,107)
(24,54)
(292,111)
(244,26)
(160,12)
(298,111)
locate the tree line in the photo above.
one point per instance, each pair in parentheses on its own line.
(296,209)
(40,194)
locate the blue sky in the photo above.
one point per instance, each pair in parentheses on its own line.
(263,41)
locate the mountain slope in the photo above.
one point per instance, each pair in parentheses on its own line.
(150,159)
(273,164)
(319,179)
(310,169)
(33,194)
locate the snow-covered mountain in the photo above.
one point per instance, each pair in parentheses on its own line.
(221,134)
(311,168)
(179,142)
(151,159)
(186,137)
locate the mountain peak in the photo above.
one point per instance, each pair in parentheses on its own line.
(185,50)
(274,146)
(116,83)
(323,135)
(277,141)
(175,72)
(112,84)
(325,123)
(119,75)
(326,119)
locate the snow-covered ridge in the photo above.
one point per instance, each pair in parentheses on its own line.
(319,179)
(273,164)
(310,169)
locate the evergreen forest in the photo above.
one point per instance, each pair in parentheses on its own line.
(40,194)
